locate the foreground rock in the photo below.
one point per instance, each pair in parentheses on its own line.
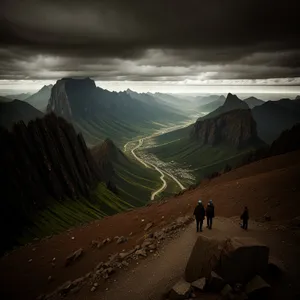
(204,258)
(257,288)
(73,257)
(242,259)
(199,284)
(216,283)
(181,290)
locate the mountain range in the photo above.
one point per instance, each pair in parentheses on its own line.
(224,136)
(99,114)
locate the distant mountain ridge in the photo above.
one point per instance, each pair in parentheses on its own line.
(15,111)
(273,117)
(40,99)
(232,102)
(253,102)
(101,114)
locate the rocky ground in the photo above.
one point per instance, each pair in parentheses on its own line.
(102,260)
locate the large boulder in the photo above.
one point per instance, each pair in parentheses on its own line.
(204,258)
(242,259)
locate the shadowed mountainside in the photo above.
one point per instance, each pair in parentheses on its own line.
(47,167)
(16,110)
(273,117)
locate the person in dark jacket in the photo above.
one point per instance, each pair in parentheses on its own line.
(199,214)
(210,213)
(245,218)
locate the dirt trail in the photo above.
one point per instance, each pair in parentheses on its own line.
(154,276)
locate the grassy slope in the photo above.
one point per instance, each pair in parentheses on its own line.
(135,182)
(203,160)
(96,132)
(61,215)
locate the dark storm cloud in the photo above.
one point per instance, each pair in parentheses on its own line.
(149,40)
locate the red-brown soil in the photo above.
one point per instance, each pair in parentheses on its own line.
(268,186)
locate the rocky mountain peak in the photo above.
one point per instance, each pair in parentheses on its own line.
(233,102)
(236,128)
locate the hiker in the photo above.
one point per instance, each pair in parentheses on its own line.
(245,218)
(199,214)
(210,214)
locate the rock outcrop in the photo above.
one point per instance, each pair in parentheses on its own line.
(236,128)
(242,259)
(204,258)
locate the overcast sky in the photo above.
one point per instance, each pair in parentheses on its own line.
(175,45)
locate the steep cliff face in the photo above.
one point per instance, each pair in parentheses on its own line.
(59,101)
(236,128)
(41,161)
(46,157)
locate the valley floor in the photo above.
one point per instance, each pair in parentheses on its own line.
(269,186)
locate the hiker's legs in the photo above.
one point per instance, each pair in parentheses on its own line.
(210,222)
(245,224)
(197,225)
(207,222)
(201,224)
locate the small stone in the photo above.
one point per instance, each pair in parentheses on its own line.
(142,220)
(106,289)
(33,249)
(73,257)
(93,289)
(199,284)
(163,217)
(49,278)
(257,286)
(181,290)
(130,234)
(121,240)
(30,260)
(95,284)
(216,282)
(125,263)
(226,290)
(141,252)
(148,226)
(53,259)
(73,238)
(75,290)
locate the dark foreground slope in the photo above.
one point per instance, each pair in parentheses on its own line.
(50,180)
(268,186)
